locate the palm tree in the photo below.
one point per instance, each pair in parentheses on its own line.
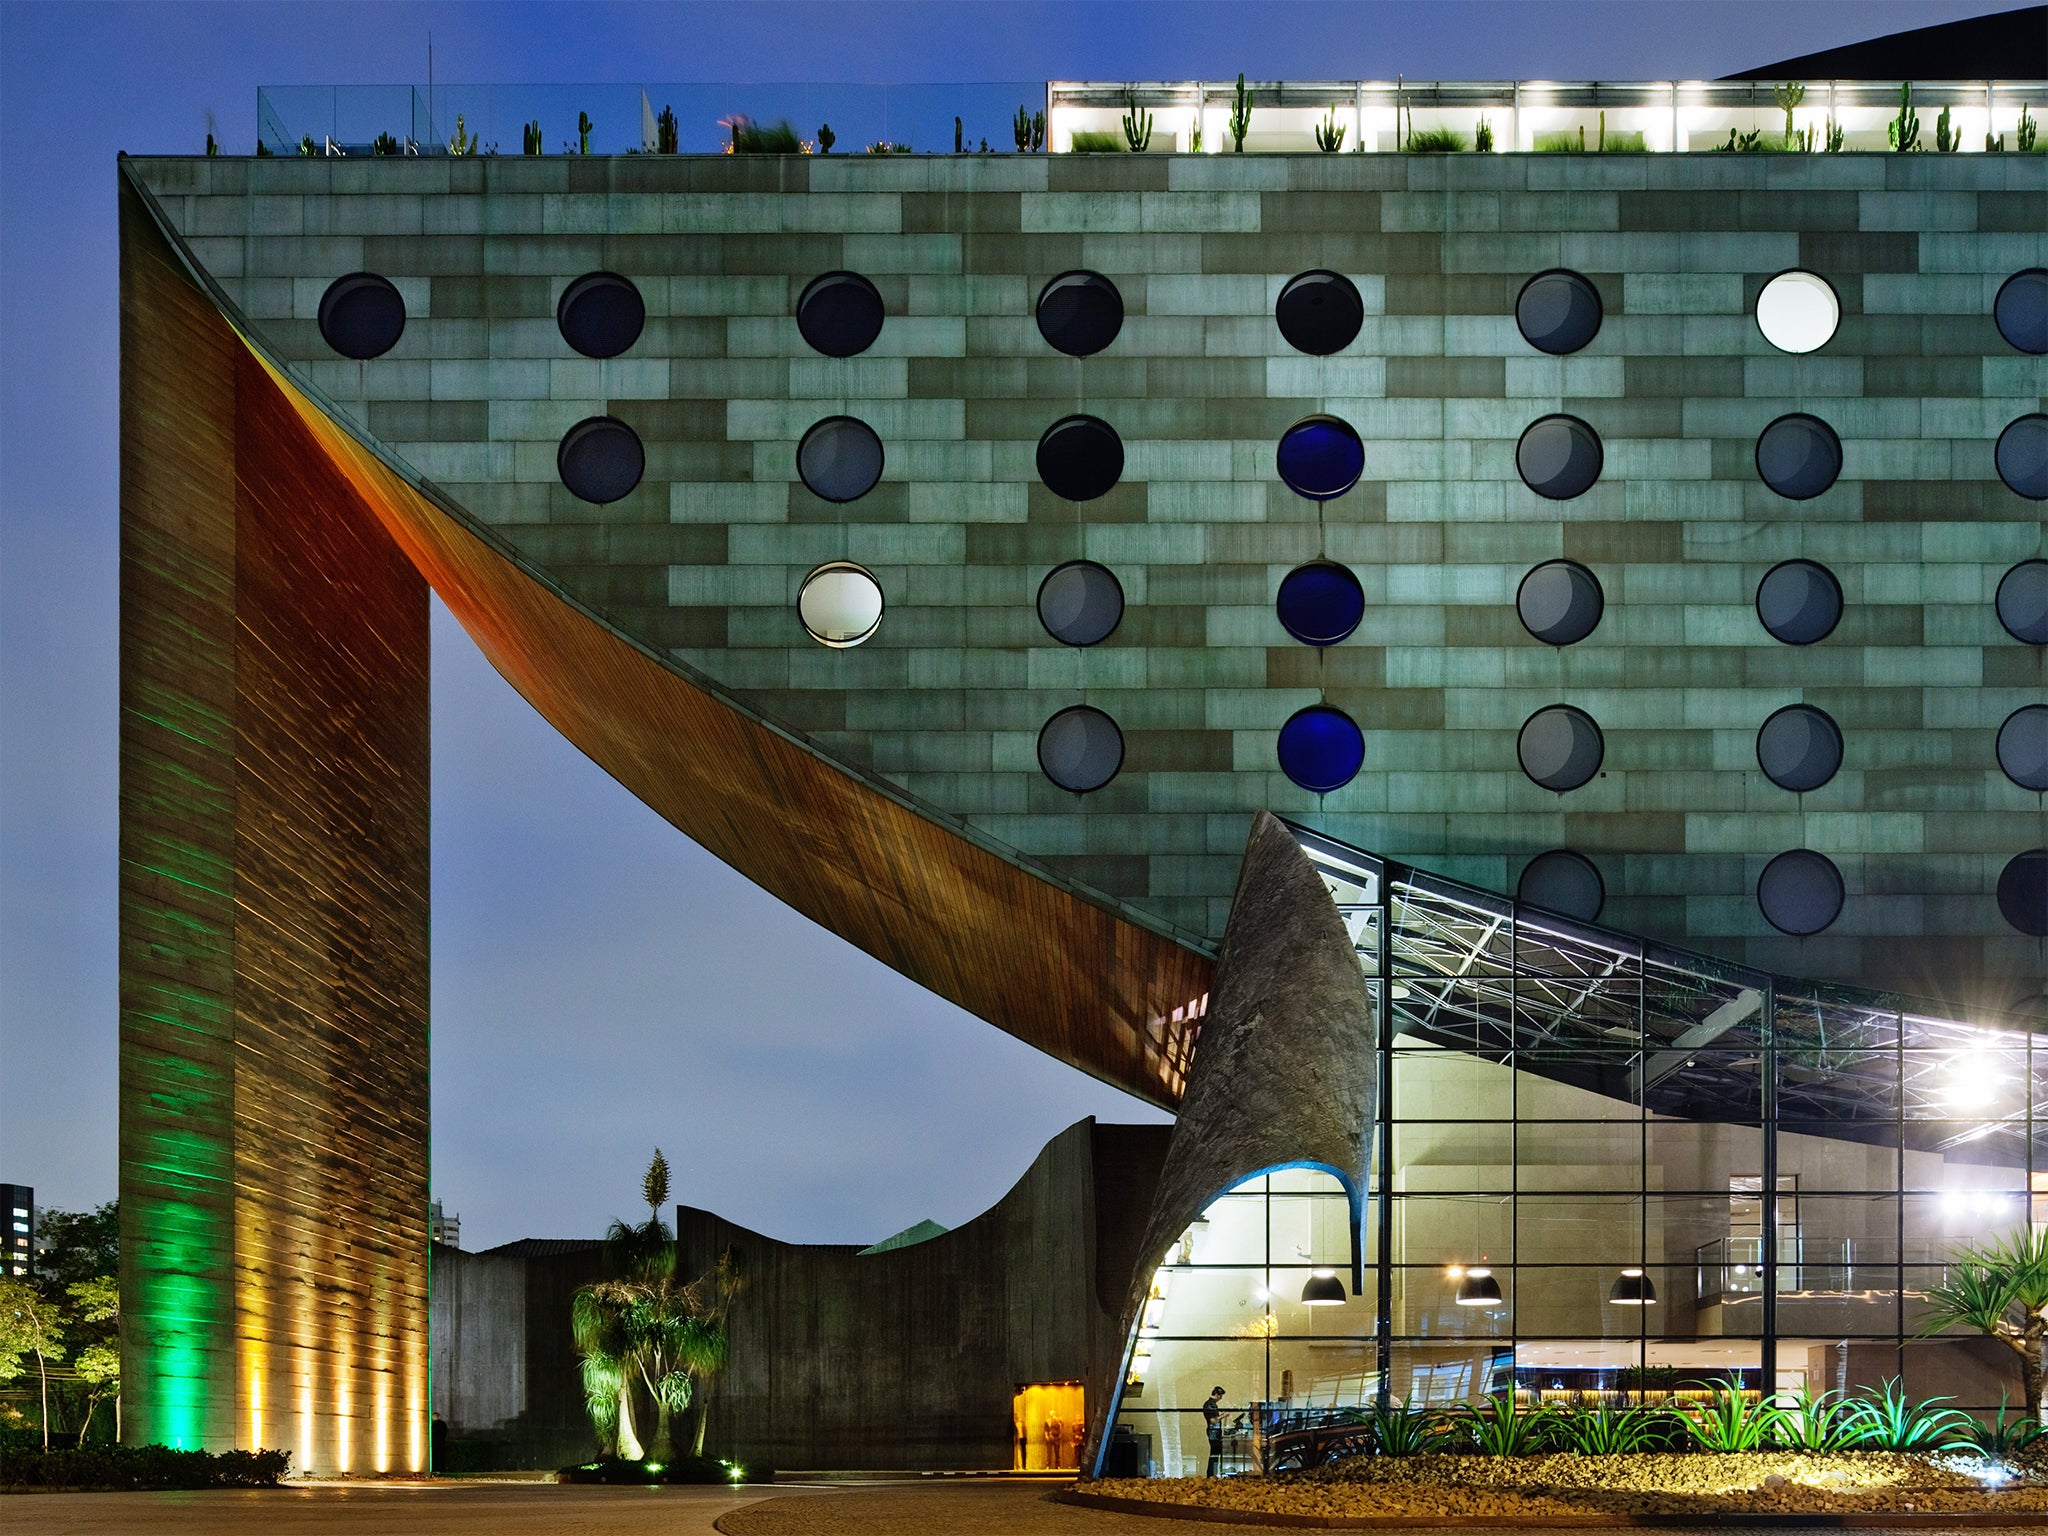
(707,1345)
(601,1316)
(2001,1290)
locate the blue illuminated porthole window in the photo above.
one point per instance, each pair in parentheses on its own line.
(1558,311)
(1320,603)
(362,315)
(1799,748)
(840,314)
(1321,748)
(1080,749)
(1564,882)
(2023,457)
(2023,602)
(1559,457)
(1321,457)
(1798,456)
(600,459)
(2021,310)
(840,459)
(1799,602)
(2023,746)
(1080,458)
(2023,892)
(1800,892)
(1319,312)
(601,314)
(1080,313)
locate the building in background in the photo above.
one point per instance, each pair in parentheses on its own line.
(18,1237)
(442,1227)
(1624,570)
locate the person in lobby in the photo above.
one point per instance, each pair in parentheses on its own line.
(1212,1420)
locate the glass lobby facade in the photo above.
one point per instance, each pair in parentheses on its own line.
(1576,1112)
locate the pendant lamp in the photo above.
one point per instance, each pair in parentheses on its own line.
(1324,1289)
(1478,1288)
(1632,1288)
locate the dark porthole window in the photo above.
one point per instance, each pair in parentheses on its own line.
(1560,747)
(1080,457)
(840,314)
(1321,457)
(1560,602)
(1320,603)
(1080,313)
(362,315)
(1798,456)
(601,314)
(601,459)
(1800,892)
(1799,748)
(1080,603)
(2023,457)
(1563,882)
(2023,892)
(1558,311)
(1559,457)
(2023,602)
(2023,746)
(1080,749)
(1799,602)
(1321,748)
(2021,310)
(840,458)
(840,604)
(1319,312)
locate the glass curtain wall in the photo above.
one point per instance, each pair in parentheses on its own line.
(1611,1170)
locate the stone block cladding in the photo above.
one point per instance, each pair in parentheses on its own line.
(703,560)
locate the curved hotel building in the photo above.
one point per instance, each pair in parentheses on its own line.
(1504,683)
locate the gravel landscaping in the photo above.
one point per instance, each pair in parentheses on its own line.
(1565,1485)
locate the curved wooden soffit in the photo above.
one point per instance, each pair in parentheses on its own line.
(1118,1000)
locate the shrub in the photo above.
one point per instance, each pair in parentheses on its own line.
(2002,1437)
(1088,143)
(1561,143)
(684,1469)
(1436,141)
(752,138)
(125,1467)
(1816,1422)
(1606,1432)
(1398,1430)
(1890,1423)
(1504,1428)
(1729,1422)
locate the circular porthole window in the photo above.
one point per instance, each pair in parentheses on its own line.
(2021,310)
(1080,603)
(362,315)
(1560,747)
(2023,457)
(1080,457)
(1799,748)
(2023,602)
(1558,311)
(1798,311)
(1563,882)
(1080,313)
(1321,457)
(1320,603)
(600,459)
(840,314)
(1321,748)
(1799,602)
(1798,456)
(601,314)
(840,458)
(1559,457)
(1319,312)
(1080,749)
(840,604)
(1560,602)
(2023,892)
(1800,892)
(2023,746)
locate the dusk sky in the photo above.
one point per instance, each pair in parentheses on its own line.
(601,985)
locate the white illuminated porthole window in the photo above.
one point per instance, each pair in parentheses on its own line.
(840,604)
(1798,312)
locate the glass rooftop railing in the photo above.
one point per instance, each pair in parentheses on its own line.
(1185,116)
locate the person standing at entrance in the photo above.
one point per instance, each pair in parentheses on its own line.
(1212,1420)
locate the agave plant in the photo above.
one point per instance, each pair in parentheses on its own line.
(1890,1422)
(1810,1421)
(1729,1422)
(1504,1428)
(1608,1432)
(2002,1437)
(1399,1430)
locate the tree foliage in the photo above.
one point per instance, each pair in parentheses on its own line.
(2000,1289)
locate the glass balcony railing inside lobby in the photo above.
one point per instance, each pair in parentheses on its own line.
(1616,1172)
(1174,116)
